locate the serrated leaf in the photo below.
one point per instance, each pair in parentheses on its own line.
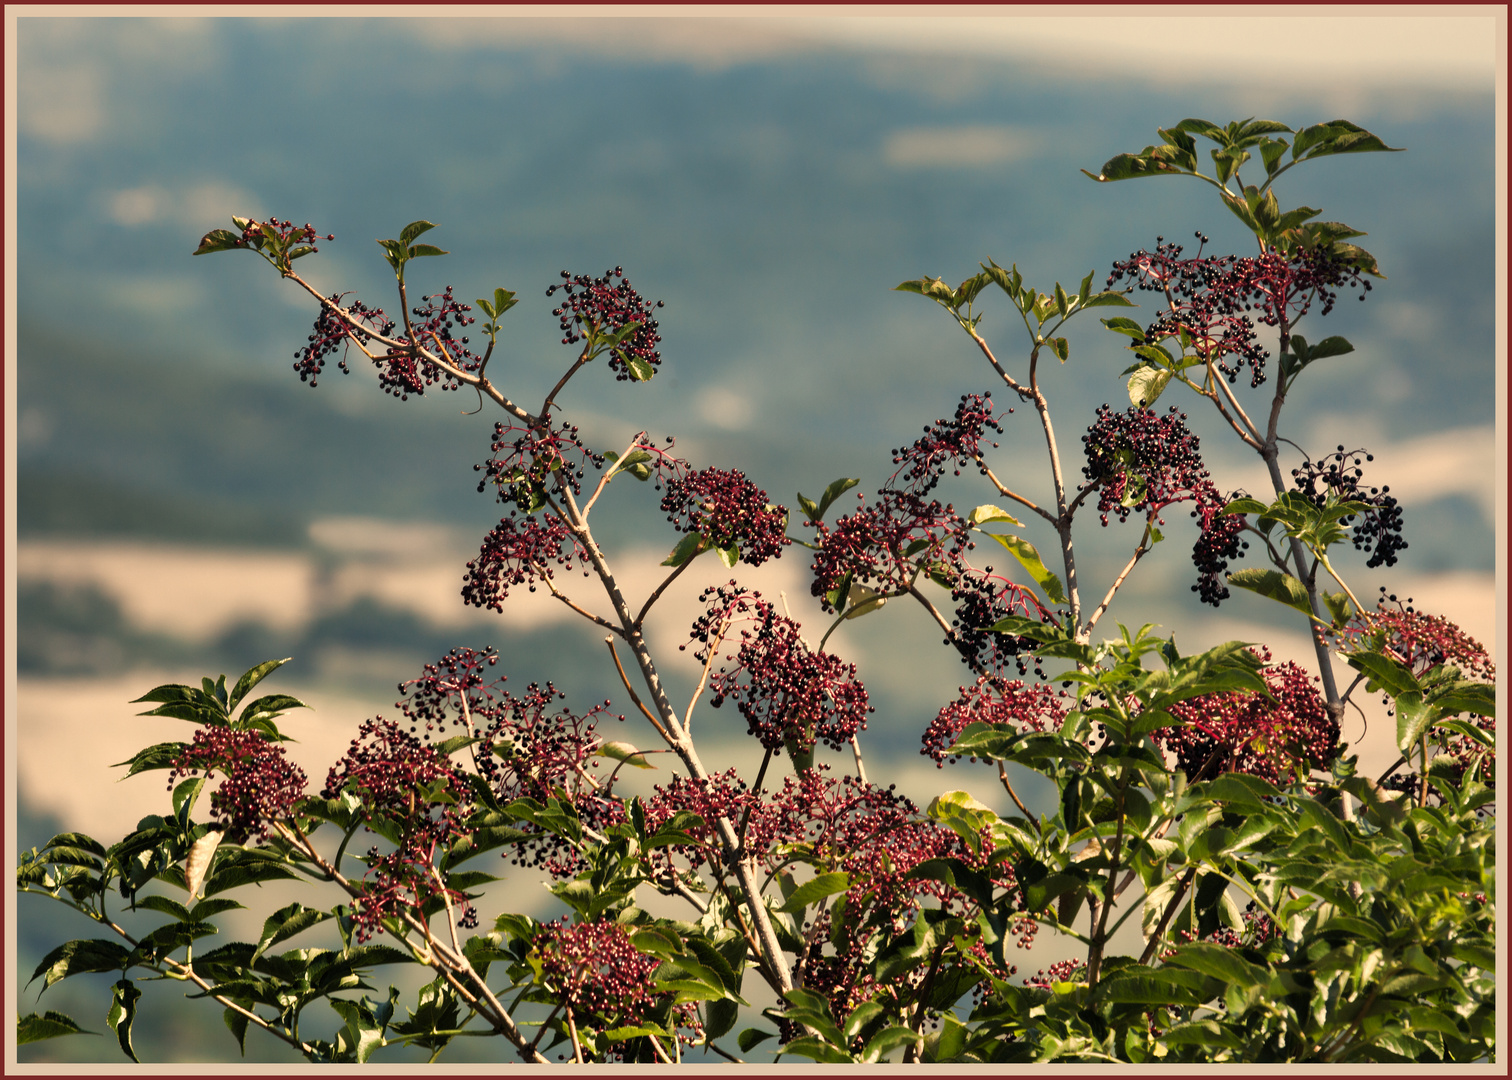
(886,1041)
(816,889)
(218,240)
(1029,557)
(623,751)
(1121,324)
(50,1025)
(1273,584)
(1146,385)
(159,756)
(687,548)
(1109,298)
(639,369)
(78,957)
(250,679)
(408,234)
(123,1001)
(1414,716)
(753,1036)
(835,489)
(988,512)
(862,601)
(419,251)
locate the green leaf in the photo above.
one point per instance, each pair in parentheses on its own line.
(251,679)
(623,751)
(1120,324)
(689,547)
(363,1032)
(833,492)
(988,512)
(159,756)
(1133,166)
(285,923)
(50,1025)
(1037,897)
(1029,556)
(1478,699)
(1146,385)
(1241,210)
(1272,583)
(1384,672)
(728,555)
(639,370)
(217,240)
(1219,962)
(1062,303)
(752,1036)
(197,862)
(123,1001)
(79,957)
(1336,137)
(821,886)
(414,229)
(1152,987)
(886,1041)
(247,873)
(811,1046)
(421,250)
(1414,716)
(1110,298)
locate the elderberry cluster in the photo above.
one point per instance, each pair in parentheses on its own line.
(332,332)
(882,546)
(517,551)
(1338,474)
(1421,642)
(1059,972)
(289,234)
(1215,301)
(598,306)
(261,784)
(403,372)
(1248,732)
(983,599)
(417,794)
(727,510)
(530,749)
(1008,705)
(453,686)
(957,441)
(1141,461)
(595,971)
(789,695)
(1416,640)
(520,467)
(873,834)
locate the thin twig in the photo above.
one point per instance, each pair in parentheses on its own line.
(656,595)
(1139,553)
(703,679)
(1008,787)
(590,616)
(577,1046)
(610,473)
(860,765)
(609,641)
(1015,496)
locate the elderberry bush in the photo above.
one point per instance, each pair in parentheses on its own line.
(1231,886)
